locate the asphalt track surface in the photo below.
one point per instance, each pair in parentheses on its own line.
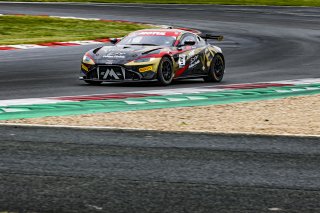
(67,170)
(262,44)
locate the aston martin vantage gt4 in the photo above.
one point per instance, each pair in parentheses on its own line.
(154,55)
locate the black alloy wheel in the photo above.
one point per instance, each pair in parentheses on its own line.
(165,71)
(216,71)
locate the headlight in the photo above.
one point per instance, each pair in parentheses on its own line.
(144,60)
(87,60)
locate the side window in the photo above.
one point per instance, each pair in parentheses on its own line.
(188,37)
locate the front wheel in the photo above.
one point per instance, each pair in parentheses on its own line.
(96,83)
(216,70)
(165,71)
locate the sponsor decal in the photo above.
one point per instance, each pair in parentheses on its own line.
(115,55)
(145,69)
(194,61)
(153,33)
(157,33)
(84,67)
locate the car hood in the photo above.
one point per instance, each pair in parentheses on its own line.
(122,54)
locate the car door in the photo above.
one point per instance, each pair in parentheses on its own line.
(192,56)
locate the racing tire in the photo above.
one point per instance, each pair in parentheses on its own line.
(216,71)
(95,83)
(165,71)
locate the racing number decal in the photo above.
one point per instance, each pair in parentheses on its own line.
(184,57)
(182,60)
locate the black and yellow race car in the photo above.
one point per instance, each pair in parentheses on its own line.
(154,55)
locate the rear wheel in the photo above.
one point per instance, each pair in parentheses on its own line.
(93,82)
(165,71)
(216,71)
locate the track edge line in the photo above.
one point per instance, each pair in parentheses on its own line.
(145,130)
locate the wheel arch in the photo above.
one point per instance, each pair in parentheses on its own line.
(222,56)
(164,56)
(168,56)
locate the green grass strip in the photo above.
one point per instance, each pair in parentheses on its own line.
(314,3)
(42,29)
(156,102)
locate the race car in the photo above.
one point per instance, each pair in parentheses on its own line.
(161,55)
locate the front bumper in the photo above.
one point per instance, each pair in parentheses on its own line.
(115,73)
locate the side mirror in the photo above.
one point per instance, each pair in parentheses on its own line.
(189,43)
(113,40)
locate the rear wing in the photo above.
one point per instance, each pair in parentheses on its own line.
(209,36)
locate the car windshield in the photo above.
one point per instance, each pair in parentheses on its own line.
(150,40)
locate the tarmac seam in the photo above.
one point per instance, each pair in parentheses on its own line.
(167,182)
(145,130)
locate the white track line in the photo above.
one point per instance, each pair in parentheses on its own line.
(79,18)
(29,101)
(27,46)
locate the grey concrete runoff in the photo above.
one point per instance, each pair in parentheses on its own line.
(77,170)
